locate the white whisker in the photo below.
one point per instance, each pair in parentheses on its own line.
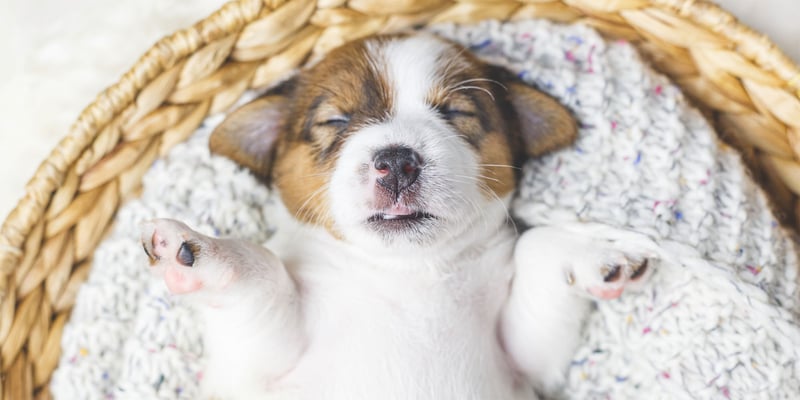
(304,212)
(475,88)
(482,80)
(500,166)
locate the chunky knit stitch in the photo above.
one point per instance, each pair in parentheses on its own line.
(719,321)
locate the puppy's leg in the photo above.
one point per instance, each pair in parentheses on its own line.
(251,305)
(559,272)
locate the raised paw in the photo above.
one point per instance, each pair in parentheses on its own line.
(608,279)
(610,263)
(592,260)
(182,257)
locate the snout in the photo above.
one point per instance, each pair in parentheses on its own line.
(397,168)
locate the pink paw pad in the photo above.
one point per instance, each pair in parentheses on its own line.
(617,277)
(172,254)
(180,283)
(606,293)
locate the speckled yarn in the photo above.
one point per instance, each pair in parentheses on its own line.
(718,322)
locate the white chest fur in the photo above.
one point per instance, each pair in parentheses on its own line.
(403,325)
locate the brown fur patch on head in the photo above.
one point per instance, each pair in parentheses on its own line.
(472,101)
(505,120)
(343,84)
(249,134)
(497,165)
(540,123)
(293,135)
(331,100)
(303,181)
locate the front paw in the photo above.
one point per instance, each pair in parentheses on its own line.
(607,280)
(608,266)
(182,258)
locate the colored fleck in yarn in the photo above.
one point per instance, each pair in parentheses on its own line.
(719,323)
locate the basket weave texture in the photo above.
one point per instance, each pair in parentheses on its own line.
(746,86)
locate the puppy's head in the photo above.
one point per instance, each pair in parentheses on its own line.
(395,140)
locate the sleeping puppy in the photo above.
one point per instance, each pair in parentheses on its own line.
(398,274)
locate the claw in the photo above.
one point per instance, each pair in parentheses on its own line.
(149,255)
(148,230)
(570,278)
(639,270)
(611,274)
(186,254)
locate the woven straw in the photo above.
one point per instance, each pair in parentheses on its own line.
(746,86)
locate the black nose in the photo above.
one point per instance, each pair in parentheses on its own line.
(398,168)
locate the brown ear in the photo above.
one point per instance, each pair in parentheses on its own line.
(249,134)
(544,124)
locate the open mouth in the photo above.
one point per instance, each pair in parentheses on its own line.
(410,217)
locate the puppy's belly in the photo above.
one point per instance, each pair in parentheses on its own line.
(427,344)
(394,364)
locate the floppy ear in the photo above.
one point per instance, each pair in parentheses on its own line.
(544,124)
(249,134)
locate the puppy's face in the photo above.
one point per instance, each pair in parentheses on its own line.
(394,140)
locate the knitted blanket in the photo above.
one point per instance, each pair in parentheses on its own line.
(719,321)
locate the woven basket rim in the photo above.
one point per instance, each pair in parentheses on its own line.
(231,18)
(166,52)
(169,82)
(716,19)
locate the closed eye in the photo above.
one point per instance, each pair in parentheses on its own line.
(338,121)
(453,113)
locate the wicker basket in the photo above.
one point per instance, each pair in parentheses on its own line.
(747,87)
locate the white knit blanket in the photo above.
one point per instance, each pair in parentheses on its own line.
(719,323)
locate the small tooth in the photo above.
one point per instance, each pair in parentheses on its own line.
(389,216)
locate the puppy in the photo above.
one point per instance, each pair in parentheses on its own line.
(397,273)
